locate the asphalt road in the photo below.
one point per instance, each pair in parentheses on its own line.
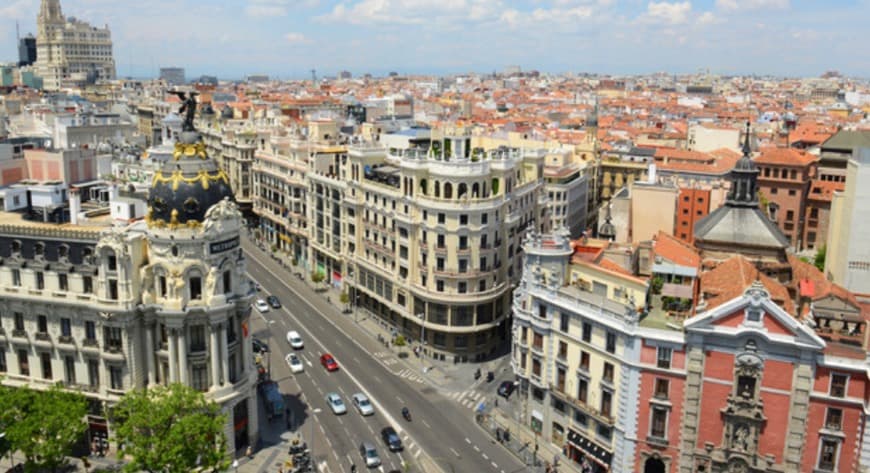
(446,433)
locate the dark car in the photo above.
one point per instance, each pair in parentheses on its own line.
(506,388)
(274,302)
(391,438)
(260,346)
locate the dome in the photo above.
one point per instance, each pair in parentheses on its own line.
(185,187)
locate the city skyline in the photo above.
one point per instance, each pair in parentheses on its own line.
(765,37)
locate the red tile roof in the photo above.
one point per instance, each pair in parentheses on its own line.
(730,279)
(673,249)
(785,157)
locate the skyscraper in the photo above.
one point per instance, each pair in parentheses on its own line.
(71,51)
(26,50)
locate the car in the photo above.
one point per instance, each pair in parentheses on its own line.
(295,363)
(328,362)
(274,302)
(506,388)
(369,454)
(261,306)
(295,340)
(260,346)
(391,438)
(336,404)
(362,404)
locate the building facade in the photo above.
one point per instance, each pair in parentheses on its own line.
(70,51)
(848,258)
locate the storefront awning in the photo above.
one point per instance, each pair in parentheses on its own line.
(590,448)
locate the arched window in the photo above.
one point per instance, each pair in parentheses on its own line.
(448,190)
(462,190)
(475,190)
(39,250)
(423,186)
(160,281)
(63,252)
(437,189)
(194,284)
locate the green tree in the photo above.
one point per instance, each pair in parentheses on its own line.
(819,260)
(170,428)
(42,425)
(656,284)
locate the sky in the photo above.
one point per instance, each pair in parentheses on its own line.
(287,38)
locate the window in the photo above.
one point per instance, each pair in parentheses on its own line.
(828,455)
(462,287)
(463,219)
(90,330)
(62,282)
(838,385)
(113,289)
(87,284)
(606,401)
(537,341)
(587,332)
(23,363)
(16,277)
(199,375)
(112,262)
(441,218)
(604,431)
(42,324)
(834,419)
(116,380)
(584,361)
(608,372)
(664,357)
(563,322)
(3,367)
(662,387)
(93,373)
(463,242)
(439,285)
(483,218)
(112,339)
(40,280)
(197,338)
(542,311)
(746,386)
(580,418)
(536,367)
(45,361)
(65,327)
(161,285)
(658,426)
(440,241)
(563,350)
(195,288)
(69,368)
(19,321)
(611,342)
(228,281)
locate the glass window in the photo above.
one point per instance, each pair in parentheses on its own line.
(587,332)
(838,385)
(563,322)
(23,363)
(662,387)
(116,379)
(664,357)
(828,455)
(659,423)
(611,342)
(65,327)
(834,420)
(45,359)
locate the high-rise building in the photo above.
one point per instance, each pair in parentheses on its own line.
(848,255)
(71,51)
(26,50)
(172,75)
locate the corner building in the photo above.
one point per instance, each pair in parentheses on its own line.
(105,309)
(433,240)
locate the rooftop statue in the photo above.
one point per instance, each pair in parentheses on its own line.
(188,107)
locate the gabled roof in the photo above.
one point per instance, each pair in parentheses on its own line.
(730,278)
(780,327)
(675,250)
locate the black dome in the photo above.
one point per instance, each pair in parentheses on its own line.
(185,187)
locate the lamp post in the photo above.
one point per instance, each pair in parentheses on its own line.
(422,317)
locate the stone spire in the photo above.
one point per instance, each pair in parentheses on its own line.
(607,230)
(50,10)
(744,176)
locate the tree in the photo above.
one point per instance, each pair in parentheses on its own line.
(656,284)
(170,428)
(42,425)
(819,260)
(344,298)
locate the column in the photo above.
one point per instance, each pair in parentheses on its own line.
(215,361)
(173,371)
(224,358)
(182,355)
(149,353)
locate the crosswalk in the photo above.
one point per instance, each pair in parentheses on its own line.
(411,448)
(469,399)
(410,375)
(388,359)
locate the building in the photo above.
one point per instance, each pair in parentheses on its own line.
(173,75)
(783,182)
(836,152)
(26,50)
(818,212)
(71,51)
(847,262)
(567,186)
(69,165)
(693,204)
(706,137)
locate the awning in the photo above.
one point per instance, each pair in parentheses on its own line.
(590,448)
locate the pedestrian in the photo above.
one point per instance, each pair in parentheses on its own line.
(249,452)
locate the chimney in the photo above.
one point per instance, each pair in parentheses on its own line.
(75,205)
(652,173)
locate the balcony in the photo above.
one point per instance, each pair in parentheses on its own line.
(657,441)
(90,344)
(19,334)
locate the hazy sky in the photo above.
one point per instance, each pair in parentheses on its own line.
(287,38)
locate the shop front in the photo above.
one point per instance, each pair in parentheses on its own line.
(590,456)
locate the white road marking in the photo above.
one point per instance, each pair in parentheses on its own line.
(400,400)
(455,453)
(476,448)
(494,465)
(467,441)
(426,424)
(484,456)
(417,455)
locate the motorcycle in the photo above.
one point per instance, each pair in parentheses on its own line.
(477,374)
(406,414)
(489,376)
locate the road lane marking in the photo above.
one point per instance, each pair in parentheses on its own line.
(467,441)
(426,424)
(400,400)
(455,453)
(476,448)
(494,465)
(484,456)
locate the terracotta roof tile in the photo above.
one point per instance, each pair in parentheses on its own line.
(730,279)
(785,157)
(675,250)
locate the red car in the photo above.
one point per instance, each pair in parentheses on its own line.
(328,362)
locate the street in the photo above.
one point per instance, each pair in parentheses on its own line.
(441,431)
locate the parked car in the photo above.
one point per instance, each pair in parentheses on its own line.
(506,388)
(274,302)
(261,306)
(260,346)
(295,340)
(328,362)
(295,363)
(335,403)
(391,438)
(369,454)
(362,404)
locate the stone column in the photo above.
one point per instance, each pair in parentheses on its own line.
(173,370)
(215,361)
(182,355)
(224,357)
(149,353)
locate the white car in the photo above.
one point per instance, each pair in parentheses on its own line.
(362,404)
(296,365)
(295,340)
(335,403)
(261,306)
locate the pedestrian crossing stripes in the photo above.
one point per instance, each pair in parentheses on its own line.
(410,447)
(469,399)
(410,375)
